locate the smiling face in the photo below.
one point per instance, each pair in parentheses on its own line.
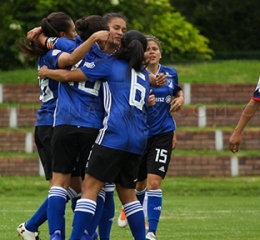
(153,53)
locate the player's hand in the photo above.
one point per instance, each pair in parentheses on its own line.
(176,104)
(161,79)
(42,72)
(151,99)
(101,35)
(234,142)
(33,33)
(174,141)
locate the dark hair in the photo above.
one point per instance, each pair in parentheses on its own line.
(154,39)
(109,16)
(132,50)
(86,26)
(51,26)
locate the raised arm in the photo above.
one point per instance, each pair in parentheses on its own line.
(67,59)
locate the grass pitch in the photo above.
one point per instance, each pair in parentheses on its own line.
(193,208)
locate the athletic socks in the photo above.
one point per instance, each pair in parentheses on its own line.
(140,195)
(38,218)
(107,217)
(56,209)
(145,205)
(99,210)
(135,217)
(84,211)
(154,208)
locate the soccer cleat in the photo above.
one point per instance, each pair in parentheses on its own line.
(122,220)
(150,236)
(26,234)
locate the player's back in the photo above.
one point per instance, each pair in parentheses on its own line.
(125,101)
(48,96)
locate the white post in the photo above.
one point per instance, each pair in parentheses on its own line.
(28,143)
(187,93)
(202,116)
(12,118)
(41,170)
(218,140)
(234,166)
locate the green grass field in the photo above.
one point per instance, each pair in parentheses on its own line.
(193,208)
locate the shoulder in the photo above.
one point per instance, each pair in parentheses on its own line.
(168,69)
(66,45)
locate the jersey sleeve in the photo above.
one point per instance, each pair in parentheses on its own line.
(52,57)
(66,45)
(256,94)
(172,78)
(99,70)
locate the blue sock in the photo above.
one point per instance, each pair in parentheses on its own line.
(38,218)
(107,217)
(154,208)
(56,209)
(83,214)
(99,209)
(135,217)
(74,202)
(140,195)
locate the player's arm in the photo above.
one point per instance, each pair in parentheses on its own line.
(177,101)
(67,59)
(247,114)
(174,140)
(62,75)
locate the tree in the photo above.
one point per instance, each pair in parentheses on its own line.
(230,25)
(180,39)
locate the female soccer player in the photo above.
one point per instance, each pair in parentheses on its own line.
(116,154)
(161,140)
(117,25)
(57,24)
(90,25)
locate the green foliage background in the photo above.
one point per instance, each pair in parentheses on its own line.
(231,25)
(180,39)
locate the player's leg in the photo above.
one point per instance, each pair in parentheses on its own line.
(86,206)
(108,213)
(126,184)
(158,159)
(133,210)
(29,229)
(154,204)
(65,153)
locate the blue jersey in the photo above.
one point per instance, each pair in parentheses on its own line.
(125,102)
(66,44)
(79,103)
(49,87)
(256,95)
(159,118)
(48,96)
